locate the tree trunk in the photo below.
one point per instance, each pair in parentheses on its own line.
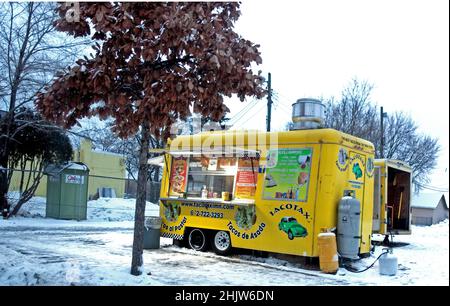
(139,216)
(3,187)
(4,157)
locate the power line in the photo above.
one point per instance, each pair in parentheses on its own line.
(245,121)
(240,111)
(244,114)
(431,187)
(284,99)
(287,109)
(282,107)
(243,111)
(260,108)
(287,98)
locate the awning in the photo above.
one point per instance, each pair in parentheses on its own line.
(230,151)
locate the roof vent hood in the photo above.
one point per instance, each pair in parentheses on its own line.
(307,114)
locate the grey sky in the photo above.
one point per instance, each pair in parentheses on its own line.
(314,48)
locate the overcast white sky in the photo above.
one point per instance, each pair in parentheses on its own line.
(314,48)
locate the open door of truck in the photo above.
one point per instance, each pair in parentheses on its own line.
(392,198)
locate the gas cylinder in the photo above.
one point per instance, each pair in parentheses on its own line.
(328,257)
(348,227)
(388,263)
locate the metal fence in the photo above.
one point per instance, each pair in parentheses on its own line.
(153,189)
(99,186)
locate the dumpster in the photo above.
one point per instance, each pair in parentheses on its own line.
(67,191)
(152,232)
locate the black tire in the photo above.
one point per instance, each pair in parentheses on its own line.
(197,240)
(221,243)
(290,235)
(180,243)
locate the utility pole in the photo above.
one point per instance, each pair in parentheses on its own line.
(269,102)
(383,115)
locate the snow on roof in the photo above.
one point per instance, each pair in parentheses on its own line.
(77,166)
(428,200)
(52,168)
(107,153)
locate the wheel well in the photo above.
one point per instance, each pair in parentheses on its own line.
(188,230)
(209,233)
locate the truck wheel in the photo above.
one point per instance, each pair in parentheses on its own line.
(197,240)
(180,243)
(221,243)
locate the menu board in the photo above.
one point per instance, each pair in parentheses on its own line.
(287,174)
(178,176)
(247,176)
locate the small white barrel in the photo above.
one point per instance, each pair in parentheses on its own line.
(388,264)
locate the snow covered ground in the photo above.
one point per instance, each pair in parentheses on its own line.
(40,251)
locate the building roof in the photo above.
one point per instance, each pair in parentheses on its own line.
(428,200)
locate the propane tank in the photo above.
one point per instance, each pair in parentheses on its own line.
(328,257)
(388,263)
(348,227)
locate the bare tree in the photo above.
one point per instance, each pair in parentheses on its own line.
(31,52)
(404,142)
(354,113)
(36,144)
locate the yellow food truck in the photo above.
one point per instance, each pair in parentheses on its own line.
(273,192)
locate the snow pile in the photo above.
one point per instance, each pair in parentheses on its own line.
(85,255)
(115,209)
(40,251)
(69,261)
(422,259)
(34,208)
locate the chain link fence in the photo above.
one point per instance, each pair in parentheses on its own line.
(98,186)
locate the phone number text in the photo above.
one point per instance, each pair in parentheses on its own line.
(207,214)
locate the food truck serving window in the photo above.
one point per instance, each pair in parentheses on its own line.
(287,174)
(210,175)
(213,177)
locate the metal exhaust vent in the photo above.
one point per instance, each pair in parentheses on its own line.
(307,114)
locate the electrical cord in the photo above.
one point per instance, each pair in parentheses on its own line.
(353,270)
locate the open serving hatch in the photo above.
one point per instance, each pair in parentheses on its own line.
(219,172)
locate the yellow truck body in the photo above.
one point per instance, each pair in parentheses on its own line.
(281,199)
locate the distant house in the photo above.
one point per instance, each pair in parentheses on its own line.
(429,208)
(106,175)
